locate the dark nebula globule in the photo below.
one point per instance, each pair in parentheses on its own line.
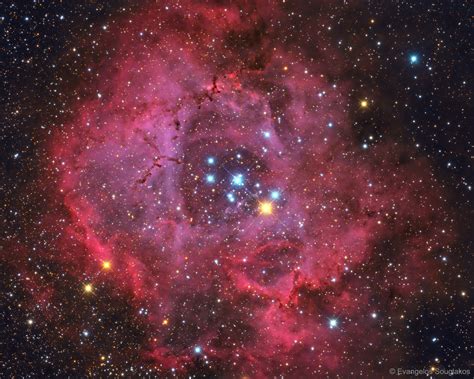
(243,189)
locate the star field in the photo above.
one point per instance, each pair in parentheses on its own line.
(236,189)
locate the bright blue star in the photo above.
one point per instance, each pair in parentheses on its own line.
(198,349)
(211,160)
(275,195)
(330,124)
(231,197)
(238,180)
(266,134)
(210,178)
(413,58)
(333,323)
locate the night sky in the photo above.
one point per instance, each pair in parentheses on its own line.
(236,189)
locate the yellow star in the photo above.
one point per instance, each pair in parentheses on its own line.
(106,265)
(88,288)
(364,103)
(266,208)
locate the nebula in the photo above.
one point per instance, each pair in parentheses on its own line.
(215,174)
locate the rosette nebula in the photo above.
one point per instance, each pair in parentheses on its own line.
(225,197)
